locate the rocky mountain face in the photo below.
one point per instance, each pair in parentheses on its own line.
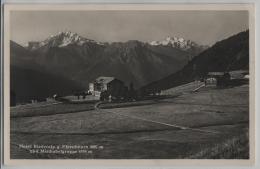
(226,55)
(79,60)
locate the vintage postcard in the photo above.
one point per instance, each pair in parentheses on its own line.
(129,84)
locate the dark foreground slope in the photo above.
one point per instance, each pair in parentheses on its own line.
(28,84)
(226,55)
(29,80)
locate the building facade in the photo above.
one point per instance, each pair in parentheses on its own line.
(108,85)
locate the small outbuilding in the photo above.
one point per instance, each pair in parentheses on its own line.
(239,74)
(219,79)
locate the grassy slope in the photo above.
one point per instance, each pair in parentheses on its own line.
(193,110)
(62,108)
(130,138)
(237,146)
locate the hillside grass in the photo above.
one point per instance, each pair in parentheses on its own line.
(62,108)
(233,148)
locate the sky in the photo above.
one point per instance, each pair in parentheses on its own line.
(202,27)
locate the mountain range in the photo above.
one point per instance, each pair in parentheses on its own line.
(67,62)
(226,55)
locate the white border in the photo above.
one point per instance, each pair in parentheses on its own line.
(124,162)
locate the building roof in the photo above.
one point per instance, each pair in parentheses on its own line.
(238,74)
(215,73)
(105,80)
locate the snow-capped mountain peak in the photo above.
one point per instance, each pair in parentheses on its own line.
(62,39)
(65,39)
(177,42)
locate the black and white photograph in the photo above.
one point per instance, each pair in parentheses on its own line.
(129,84)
